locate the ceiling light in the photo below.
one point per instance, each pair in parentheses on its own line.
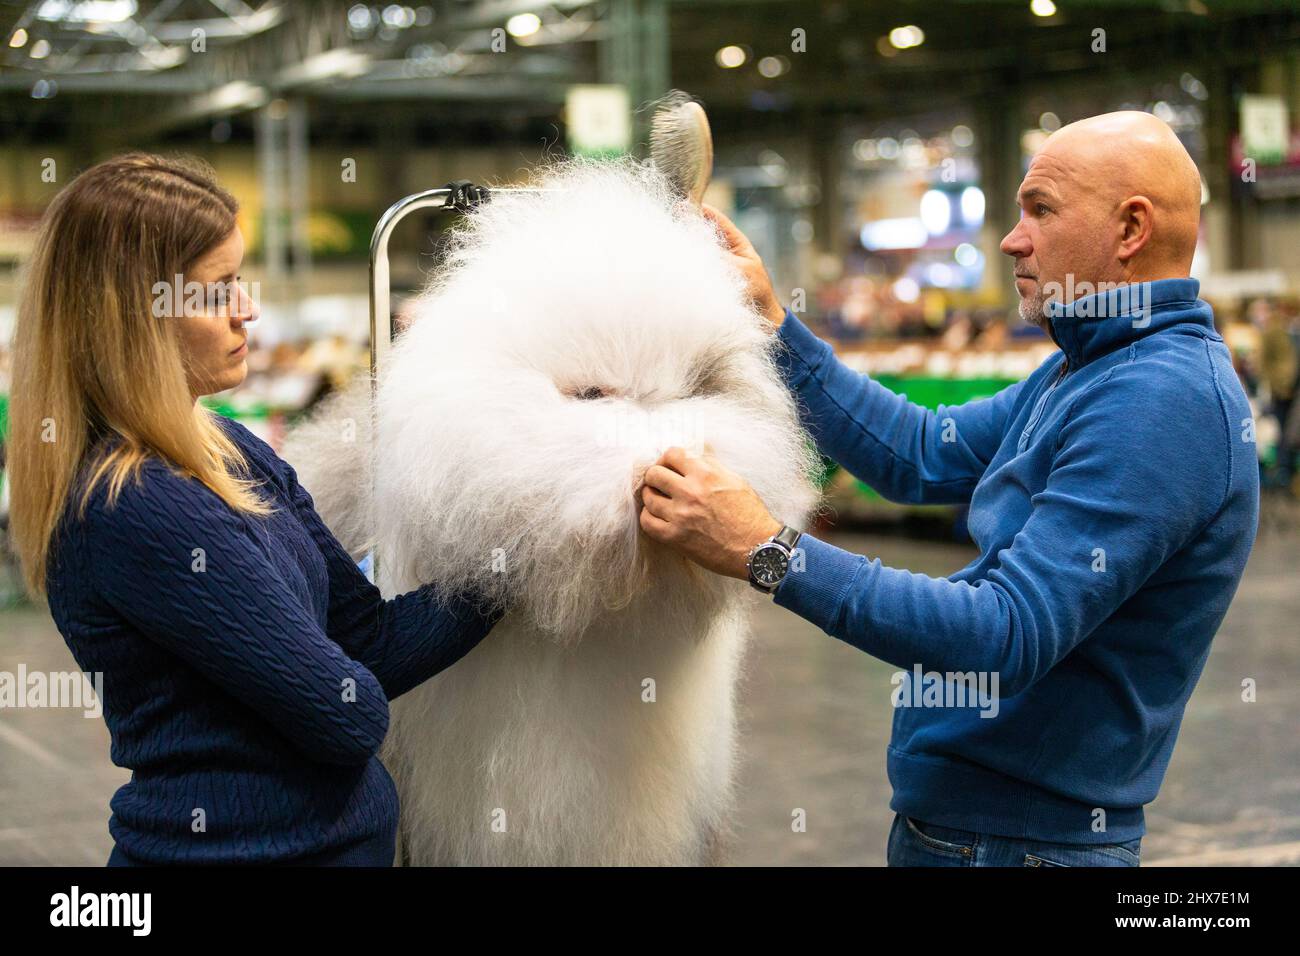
(730,57)
(523,24)
(904,38)
(908,233)
(936,212)
(86,11)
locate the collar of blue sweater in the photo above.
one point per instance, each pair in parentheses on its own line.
(1093,325)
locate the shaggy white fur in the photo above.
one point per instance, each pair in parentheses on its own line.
(573,334)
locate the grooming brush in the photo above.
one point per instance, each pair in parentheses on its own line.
(681,145)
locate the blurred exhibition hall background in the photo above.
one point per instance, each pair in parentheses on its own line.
(872,152)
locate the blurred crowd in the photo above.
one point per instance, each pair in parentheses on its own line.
(289,378)
(1264,337)
(861,309)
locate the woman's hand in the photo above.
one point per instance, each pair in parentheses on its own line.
(751,266)
(708,513)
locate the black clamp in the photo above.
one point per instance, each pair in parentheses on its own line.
(464,195)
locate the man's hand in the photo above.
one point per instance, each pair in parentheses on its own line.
(706,512)
(751,267)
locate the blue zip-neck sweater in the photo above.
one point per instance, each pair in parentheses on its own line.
(1114,497)
(247,665)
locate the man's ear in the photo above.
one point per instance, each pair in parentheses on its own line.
(1136,223)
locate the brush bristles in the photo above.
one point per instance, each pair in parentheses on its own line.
(681,146)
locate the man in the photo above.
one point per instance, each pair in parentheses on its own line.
(1278,365)
(1113,495)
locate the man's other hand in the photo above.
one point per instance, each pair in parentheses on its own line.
(746,259)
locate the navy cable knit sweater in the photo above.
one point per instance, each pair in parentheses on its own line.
(247,665)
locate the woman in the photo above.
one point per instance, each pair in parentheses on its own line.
(247,663)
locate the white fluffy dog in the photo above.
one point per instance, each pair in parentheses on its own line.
(573,334)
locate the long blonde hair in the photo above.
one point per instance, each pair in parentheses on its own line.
(92,359)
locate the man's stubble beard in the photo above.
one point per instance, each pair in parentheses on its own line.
(1033,308)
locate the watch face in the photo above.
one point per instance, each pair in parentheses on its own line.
(769,565)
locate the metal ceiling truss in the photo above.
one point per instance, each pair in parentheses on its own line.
(278,45)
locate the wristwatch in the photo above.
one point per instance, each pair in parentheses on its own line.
(769,562)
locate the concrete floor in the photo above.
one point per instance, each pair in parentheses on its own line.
(815,722)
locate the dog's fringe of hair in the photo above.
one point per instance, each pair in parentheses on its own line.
(523,493)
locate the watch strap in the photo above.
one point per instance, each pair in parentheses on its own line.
(787,536)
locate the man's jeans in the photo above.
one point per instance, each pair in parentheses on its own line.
(914,843)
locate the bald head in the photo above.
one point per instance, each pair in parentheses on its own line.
(1119,156)
(1112,198)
